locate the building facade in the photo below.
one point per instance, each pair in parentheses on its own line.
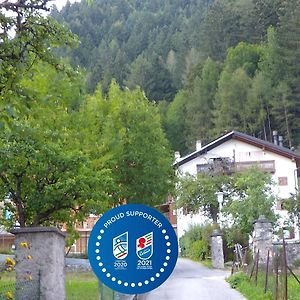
(239,151)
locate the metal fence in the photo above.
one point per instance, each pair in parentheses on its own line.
(21,291)
(271,273)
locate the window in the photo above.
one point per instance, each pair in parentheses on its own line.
(282,181)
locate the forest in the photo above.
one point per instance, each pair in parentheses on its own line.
(95,98)
(211,66)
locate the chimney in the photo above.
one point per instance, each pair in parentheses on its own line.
(198,145)
(275,137)
(280,140)
(177,156)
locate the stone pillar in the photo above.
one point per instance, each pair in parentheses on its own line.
(40,267)
(217,249)
(262,239)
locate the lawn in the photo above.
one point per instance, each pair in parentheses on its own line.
(79,286)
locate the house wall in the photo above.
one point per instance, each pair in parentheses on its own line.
(239,151)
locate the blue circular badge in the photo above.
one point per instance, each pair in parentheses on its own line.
(133,249)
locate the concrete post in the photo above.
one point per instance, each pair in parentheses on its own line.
(262,238)
(40,267)
(217,249)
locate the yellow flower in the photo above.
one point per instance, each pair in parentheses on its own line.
(10,262)
(29,257)
(24,245)
(9,295)
(28,277)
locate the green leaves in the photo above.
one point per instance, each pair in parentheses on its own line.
(27,37)
(133,145)
(247,195)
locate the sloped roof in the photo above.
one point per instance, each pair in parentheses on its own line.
(243,138)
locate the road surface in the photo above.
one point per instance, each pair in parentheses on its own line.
(192,281)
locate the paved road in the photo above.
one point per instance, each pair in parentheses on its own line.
(192,281)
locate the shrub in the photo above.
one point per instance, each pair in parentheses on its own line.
(198,250)
(195,243)
(236,280)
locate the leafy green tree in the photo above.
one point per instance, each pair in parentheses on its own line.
(198,193)
(134,147)
(293,207)
(44,183)
(251,197)
(47,175)
(247,195)
(26,36)
(45,179)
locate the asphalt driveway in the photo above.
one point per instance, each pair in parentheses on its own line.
(192,281)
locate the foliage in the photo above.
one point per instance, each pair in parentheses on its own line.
(234,235)
(44,177)
(198,251)
(226,65)
(251,197)
(26,36)
(126,35)
(195,243)
(237,279)
(247,195)
(133,145)
(254,291)
(198,193)
(293,207)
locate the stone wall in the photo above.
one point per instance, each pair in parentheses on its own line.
(292,250)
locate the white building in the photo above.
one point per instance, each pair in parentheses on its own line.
(243,151)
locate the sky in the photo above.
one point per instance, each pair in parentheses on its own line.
(60,3)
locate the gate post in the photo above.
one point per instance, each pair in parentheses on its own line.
(40,268)
(262,239)
(217,249)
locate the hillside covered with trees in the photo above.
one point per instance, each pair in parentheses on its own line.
(211,65)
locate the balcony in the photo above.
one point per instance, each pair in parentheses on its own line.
(227,167)
(265,165)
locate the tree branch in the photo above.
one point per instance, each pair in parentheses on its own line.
(14,6)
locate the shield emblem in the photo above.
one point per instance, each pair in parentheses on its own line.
(120,246)
(144,246)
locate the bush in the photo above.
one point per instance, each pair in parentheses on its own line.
(199,250)
(232,236)
(236,280)
(195,243)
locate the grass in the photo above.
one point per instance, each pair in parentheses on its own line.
(7,278)
(82,286)
(242,283)
(207,263)
(79,286)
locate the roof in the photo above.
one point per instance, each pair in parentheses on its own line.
(243,138)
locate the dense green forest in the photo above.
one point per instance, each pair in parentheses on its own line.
(211,65)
